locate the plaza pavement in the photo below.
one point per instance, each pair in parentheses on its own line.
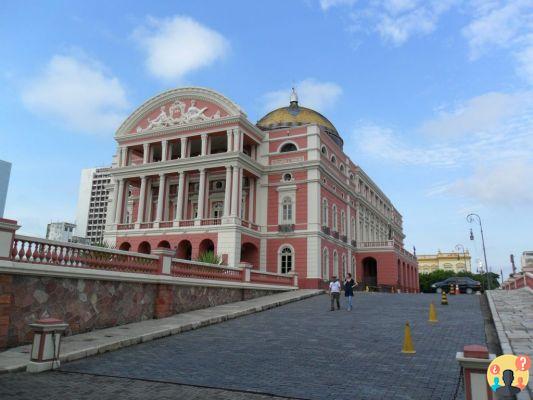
(512,311)
(100,341)
(300,350)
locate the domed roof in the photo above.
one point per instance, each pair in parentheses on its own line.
(295,115)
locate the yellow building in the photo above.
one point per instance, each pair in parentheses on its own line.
(452,261)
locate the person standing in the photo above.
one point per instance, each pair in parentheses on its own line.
(349,284)
(335,292)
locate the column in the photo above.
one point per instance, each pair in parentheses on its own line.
(239,193)
(253,152)
(236,144)
(142,200)
(123,156)
(251,199)
(160,197)
(227,193)
(120,201)
(111,213)
(164,150)
(204,144)
(179,203)
(183,147)
(241,141)
(229,134)
(201,195)
(348,222)
(234,191)
(146,150)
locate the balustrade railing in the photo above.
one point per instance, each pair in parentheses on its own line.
(146,225)
(187,222)
(41,251)
(211,221)
(271,278)
(122,227)
(195,269)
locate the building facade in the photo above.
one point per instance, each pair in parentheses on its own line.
(453,261)
(194,174)
(60,231)
(527,261)
(5,171)
(93,198)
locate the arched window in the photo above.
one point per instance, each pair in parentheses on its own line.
(216,211)
(353,267)
(353,228)
(324,150)
(334,217)
(335,263)
(286,260)
(285,148)
(333,159)
(325,212)
(341,168)
(325,263)
(287,177)
(287,209)
(343,223)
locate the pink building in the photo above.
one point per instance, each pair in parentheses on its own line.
(193,174)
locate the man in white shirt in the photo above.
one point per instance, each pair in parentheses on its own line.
(335,292)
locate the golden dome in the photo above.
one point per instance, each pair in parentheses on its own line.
(295,115)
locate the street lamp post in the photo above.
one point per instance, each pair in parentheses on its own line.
(471,218)
(459,247)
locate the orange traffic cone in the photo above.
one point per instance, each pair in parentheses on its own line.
(408,347)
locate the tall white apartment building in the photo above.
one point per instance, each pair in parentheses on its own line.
(92,203)
(5,169)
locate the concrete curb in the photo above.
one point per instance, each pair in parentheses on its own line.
(79,346)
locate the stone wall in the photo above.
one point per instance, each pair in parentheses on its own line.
(94,304)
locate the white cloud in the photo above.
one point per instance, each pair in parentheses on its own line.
(398,20)
(506,183)
(482,113)
(311,93)
(495,156)
(524,59)
(178,45)
(77,92)
(327,4)
(496,24)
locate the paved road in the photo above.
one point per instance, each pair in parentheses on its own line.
(300,350)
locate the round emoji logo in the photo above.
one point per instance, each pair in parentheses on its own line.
(508,374)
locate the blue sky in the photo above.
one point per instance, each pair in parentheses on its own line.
(433,98)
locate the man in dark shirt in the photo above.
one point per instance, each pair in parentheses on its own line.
(349,284)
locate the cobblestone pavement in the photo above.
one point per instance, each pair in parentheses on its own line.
(514,322)
(300,350)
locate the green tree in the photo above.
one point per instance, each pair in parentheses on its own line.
(426,280)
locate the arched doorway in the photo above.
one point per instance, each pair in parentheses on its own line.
(205,246)
(370,272)
(125,246)
(163,245)
(184,250)
(144,248)
(250,254)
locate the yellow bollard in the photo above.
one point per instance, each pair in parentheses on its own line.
(444,299)
(366,290)
(432,313)
(408,347)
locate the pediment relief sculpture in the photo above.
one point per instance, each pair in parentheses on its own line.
(177,114)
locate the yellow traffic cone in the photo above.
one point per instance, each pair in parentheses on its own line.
(444,299)
(408,347)
(432,313)
(366,290)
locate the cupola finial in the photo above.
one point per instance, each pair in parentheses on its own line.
(294,97)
